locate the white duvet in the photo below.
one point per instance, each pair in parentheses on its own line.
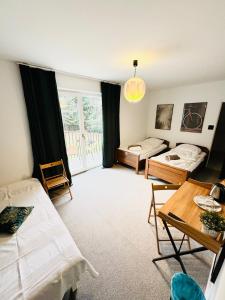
(41,260)
(146,150)
(188,161)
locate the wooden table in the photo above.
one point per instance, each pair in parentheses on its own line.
(181,204)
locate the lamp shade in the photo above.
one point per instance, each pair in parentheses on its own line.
(134,89)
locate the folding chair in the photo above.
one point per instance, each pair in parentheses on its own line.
(53,181)
(154,205)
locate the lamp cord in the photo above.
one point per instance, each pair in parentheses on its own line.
(135,68)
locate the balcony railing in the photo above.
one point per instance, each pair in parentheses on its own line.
(84,147)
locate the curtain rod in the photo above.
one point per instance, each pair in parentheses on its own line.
(63,72)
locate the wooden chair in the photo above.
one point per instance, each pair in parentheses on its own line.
(154,205)
(60,179)
(206,185)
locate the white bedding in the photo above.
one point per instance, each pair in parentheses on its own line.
(41,260)
(146,151)
(189,163)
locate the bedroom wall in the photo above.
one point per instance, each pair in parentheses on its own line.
(211,92)
(67,81)
(15,147)
(133,120)
(216,291)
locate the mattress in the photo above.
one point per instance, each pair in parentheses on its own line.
(188,164)
(146,151)
(41,260)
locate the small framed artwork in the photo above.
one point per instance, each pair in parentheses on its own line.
(193,117)
(164,113)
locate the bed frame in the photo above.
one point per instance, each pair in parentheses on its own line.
(172,174)
(133,160)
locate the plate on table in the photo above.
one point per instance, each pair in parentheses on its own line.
(207,203)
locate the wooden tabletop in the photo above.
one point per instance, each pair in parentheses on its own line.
(182,205)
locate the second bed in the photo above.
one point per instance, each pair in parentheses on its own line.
(189,159)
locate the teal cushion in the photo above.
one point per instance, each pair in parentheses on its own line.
(184,287)
(12,217)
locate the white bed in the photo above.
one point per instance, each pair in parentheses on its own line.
(146,150)
(191,158)
(186,162)
(136,154)
(41,260)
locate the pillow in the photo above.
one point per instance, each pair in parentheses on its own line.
(136,147)
(12,217)
(186,154)
(153,142)
(22,186)
(191,148)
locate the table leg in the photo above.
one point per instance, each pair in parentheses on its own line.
(177,253)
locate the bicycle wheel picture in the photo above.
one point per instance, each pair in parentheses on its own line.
(193,117)
(192,121)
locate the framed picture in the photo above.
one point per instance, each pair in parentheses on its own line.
(164,113)
(193,117)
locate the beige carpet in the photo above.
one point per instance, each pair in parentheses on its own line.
(108,220)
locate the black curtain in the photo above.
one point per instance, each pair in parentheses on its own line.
(111,125)
(45,119)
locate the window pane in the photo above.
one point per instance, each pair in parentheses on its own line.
(92,110)
(69,109)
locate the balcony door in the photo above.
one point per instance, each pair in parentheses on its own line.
(82,121)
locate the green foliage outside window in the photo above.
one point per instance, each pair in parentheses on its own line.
(92,112)
(70,115)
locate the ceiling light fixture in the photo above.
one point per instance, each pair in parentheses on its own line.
(134,88)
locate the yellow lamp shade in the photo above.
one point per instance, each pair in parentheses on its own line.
(134,89)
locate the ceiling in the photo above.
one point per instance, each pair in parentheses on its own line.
(177,42)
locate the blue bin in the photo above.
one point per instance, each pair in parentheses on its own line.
(184,287)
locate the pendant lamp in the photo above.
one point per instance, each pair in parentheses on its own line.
(134,88)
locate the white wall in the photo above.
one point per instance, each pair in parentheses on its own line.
(212,92)
(133,120)
(216,291)
(66,81)
(15,147)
